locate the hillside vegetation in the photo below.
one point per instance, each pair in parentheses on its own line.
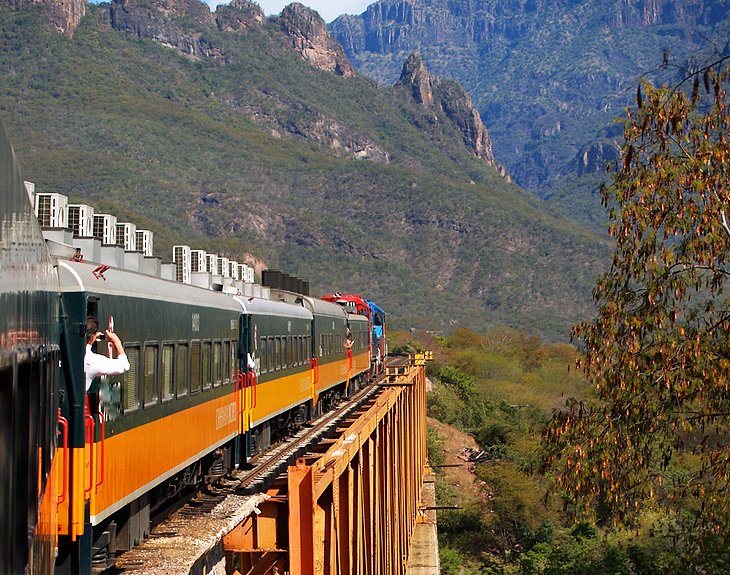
(492,394)
(253,150)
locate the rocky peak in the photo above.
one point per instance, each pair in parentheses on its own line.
(417,80)
(65,15)
(451,99)
(310,38)
(594,157)
(457,105)
(238,16)
(168,22)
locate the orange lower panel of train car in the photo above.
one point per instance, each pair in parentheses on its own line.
(137,459)
(278,395)
(45,537)
(336,372)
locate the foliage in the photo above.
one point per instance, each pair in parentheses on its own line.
(435,448)
(658,352)
(505,525)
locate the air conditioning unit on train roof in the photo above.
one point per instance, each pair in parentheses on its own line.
(81,220)
(51,210)
(233,269)
(105,229)
(181,259)
(198,261)
(144,242)
(223,267)
(212,260)
(126,236)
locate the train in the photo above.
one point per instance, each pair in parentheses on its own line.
(215,377)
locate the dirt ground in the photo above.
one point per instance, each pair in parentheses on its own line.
(457,445)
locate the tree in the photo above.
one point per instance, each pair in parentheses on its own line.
(658,351)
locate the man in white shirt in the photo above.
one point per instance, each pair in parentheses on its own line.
(96,364)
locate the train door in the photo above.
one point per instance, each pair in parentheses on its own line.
(246,383)
(314,354)
(74,511)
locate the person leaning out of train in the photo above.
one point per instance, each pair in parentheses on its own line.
(348,340)
(96,364)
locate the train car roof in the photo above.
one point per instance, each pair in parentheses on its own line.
(259,306)
(79,277)
(357,317)
(349,301)
(322,307)
(374,307)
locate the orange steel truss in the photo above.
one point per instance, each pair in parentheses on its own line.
(354,508)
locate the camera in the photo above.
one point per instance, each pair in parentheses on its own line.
(101,336)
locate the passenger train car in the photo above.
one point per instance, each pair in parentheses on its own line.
(376,339)
(214,379)
(29,352)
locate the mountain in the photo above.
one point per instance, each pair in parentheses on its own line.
(547,76)
(247,135)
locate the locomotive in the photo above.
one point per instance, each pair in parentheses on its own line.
(216,376)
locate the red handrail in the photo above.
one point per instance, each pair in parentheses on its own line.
(63,422)
(103,433)
(253,379)
(89,429)
(240,391)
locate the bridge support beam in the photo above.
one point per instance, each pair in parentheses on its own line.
(354,508)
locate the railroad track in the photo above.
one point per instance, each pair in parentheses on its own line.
(195,523)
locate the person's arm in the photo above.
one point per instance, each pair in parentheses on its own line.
(114,338)
(112,366)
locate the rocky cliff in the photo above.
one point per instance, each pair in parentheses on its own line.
(389,26)
(451,99)
(311,39)
(547,76)
(239,16)
(65,15)
(160,20)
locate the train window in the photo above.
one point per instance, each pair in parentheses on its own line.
(226,361)
(262,350)
(150,375)
(194,367)
(270,353)
(289,352)
(206,356)
(277,353)
(297,349)
(131,379)
(234,364)
(181,369)
(168,363)
(216,363)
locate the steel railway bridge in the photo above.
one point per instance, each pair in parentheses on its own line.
(358,500)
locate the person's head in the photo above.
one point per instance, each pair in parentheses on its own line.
(92,328)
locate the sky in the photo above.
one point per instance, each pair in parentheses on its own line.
(328,9)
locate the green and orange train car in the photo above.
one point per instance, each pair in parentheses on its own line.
(213,379)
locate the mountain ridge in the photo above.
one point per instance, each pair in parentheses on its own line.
(326,176)
(547,76)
